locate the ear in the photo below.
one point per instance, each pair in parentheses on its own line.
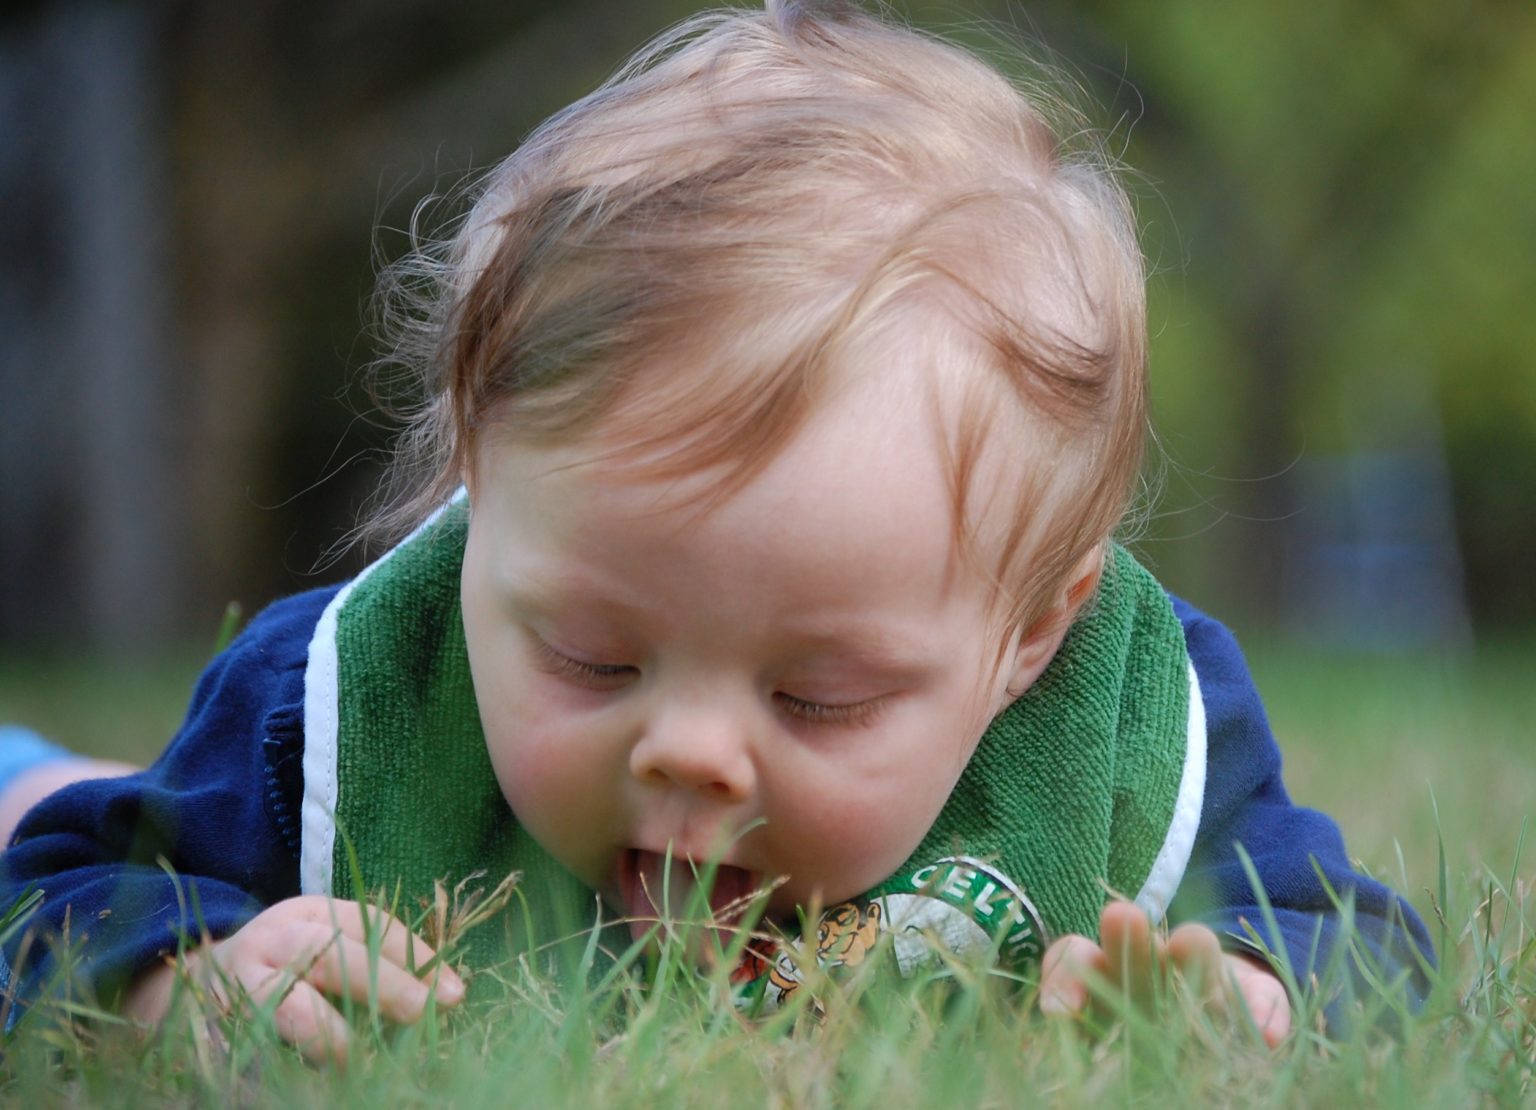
(1038,643)
(468,469)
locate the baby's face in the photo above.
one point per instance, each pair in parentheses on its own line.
(792,680)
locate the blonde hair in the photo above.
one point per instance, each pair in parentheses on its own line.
(679,262)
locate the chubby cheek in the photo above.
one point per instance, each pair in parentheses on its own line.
(839,843)
(557,783)
(851,826)
(527,768)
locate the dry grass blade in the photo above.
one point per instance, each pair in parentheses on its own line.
(449,916)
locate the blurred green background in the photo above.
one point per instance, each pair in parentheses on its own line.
(1338,210)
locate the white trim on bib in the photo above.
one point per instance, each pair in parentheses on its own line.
(1173,857)
(322,700)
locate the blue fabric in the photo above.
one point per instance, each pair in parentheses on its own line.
(205,806)
(1297,853)
(219,807)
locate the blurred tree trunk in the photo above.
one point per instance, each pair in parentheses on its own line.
(93,550)
(132,526)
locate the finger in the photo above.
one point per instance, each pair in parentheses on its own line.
(397,945)
(1195,951)
(149,997)
(1265,998)
(311,1024)
(1132,953)
(1064,974)
(334,963)
(396,942)
(344,968)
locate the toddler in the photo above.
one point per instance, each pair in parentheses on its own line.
(794,381)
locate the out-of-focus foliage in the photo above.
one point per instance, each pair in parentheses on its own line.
(1351,245)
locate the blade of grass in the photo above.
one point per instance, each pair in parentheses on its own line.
(229,624)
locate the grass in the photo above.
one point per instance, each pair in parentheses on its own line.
(1378,743)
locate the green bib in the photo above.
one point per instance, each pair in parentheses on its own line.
(1091,782)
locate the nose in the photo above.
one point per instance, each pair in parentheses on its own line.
(706,753)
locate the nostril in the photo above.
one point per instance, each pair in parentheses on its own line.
(710,764)
(709,785)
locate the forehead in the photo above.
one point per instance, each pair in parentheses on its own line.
(906,421)
(862,488)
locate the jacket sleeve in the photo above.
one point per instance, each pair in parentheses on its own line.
(1297,855)
(197,844)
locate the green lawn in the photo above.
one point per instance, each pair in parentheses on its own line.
(1378,742)
(1370,741)
(123,710)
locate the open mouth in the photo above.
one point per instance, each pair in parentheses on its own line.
(654,888)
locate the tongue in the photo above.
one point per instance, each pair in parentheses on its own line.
(663,891)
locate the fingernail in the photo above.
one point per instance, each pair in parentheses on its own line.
(450,988)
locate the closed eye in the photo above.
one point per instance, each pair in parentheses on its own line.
(596,676)
(854,715)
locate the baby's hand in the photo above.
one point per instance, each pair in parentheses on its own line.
(1131,954)
(314,949)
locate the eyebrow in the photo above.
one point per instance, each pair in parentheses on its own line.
(866,645)
(862,642)
(539,588)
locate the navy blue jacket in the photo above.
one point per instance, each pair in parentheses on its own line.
(207,837)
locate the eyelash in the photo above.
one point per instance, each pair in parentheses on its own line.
(858,715)
(595,674)
(815,714)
